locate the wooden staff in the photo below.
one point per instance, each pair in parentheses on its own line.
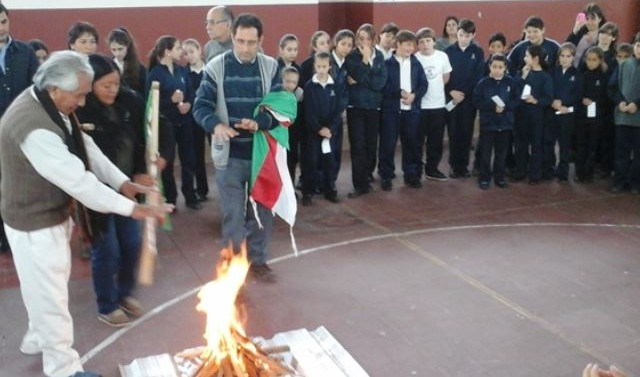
(149,249)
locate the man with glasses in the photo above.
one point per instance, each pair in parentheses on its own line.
(18,63)
(233,85)
(218,26)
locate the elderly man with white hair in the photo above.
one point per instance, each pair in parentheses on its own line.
(47,165)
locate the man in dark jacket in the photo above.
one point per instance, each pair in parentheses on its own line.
(18,63)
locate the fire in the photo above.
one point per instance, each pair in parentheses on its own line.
(225,327)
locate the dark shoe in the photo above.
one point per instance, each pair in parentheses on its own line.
(502,184)
(358,192)
(201,197)
(307,200)
(386,184)
(517,178)
(413,183)
(370,178)
(459,174)
(604,174)
(534,182)
(484,185)
(615,189)
(5,248)
(563,178)
(195,204)
(263,273)
(332,196)
(437,176)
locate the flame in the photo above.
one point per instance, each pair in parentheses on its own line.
(218,302)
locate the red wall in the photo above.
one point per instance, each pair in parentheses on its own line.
(146,24)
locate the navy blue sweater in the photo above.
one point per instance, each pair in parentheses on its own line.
(567,86)
(392,91)
(323,106)
(541,85)
(169,83)
(21,64)
(508,89)
(595,89)
(516,56)
(366,93)
(468,68)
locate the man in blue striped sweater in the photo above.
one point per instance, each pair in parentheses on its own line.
(233,85)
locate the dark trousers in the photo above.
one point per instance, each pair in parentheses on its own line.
(548,143)
(114,260)
(627,171)
(528,142)
(432,125)
(588,133)
(318,169)
(363,126)
(296,136)
(407,125)
(200,137)
(184,139)
(4,243)
(560,131)
(496,143)
(606,145)
(460,126)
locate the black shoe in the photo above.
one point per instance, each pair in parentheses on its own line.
(616,189)
(5,248)
(201,197)
(459,174)
(437,176)
(517,178)
(386,184)
(358,192)
(307,200)
(86,374)
(332,196)
(263,273)
(534,182)
(563,178)
(195,204)
(484,185)
(413,183)
(502,184)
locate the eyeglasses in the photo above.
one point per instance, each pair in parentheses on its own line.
(214,22)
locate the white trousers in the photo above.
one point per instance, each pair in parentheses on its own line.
(43,264)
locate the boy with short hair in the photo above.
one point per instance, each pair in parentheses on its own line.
(534,35)
(467,61)
(624,51)
(403,91)
(433,116)
(623,90)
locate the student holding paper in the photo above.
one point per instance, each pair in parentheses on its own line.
(593,114)
(567,87)
(496,97)
(536,96)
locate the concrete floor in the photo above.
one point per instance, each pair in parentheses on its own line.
(447,280)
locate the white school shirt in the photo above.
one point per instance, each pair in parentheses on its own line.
(405,78)
(435,66)
(50,157)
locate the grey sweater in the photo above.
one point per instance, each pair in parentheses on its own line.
(625,86)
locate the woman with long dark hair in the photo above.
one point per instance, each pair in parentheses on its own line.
(125,55)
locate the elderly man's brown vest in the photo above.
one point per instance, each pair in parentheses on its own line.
(27,201)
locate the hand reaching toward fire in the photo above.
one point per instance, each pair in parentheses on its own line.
(593,370)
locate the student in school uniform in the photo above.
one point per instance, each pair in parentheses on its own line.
(322,112)
(288,48)
(567,88)
(536,96)
(387,41)
(592,119)
(467,61)
(534,35)
(433,116)
(623,90)
(403,91)
(496,97)
(366,77)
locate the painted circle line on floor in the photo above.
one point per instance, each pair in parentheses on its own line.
(160,308)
